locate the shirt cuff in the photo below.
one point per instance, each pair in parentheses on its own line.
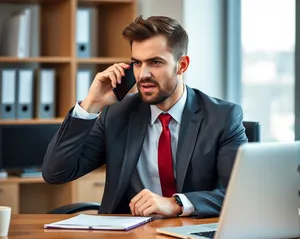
(80,113)
(187,208)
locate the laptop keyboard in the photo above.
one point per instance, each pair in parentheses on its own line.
(208,234)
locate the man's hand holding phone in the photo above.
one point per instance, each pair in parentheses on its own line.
(100,93)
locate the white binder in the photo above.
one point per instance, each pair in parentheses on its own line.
(25,91)
(46,92)
(16,38)
(83,32)
(8,93)
(83,82)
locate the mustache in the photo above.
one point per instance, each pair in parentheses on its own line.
(148,80)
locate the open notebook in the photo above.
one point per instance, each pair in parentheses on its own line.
(95,222)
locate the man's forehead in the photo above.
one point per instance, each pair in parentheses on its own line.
(153,47)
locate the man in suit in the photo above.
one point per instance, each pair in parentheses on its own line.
(168,149)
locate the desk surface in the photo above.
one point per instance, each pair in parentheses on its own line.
(31,226)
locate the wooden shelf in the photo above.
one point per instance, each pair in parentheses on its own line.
(28,1)
(103,1)
(4,59)
(15,179)
(102,60)
(33,121)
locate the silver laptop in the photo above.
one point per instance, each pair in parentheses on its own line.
(262,199)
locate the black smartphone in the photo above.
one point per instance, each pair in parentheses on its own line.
(127,83)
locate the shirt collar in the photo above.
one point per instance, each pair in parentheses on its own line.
(176,111)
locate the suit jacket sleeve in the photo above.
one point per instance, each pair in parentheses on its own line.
(209,203)
(76,149)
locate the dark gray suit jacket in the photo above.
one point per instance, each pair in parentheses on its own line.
(210,134)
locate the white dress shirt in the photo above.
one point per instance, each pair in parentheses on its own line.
(147,166)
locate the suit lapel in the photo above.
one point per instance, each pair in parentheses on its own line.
(189,130)
(137,129)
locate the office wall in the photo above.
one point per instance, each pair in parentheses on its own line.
(203,21)
(170,8)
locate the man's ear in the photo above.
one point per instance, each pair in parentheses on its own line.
(183,64)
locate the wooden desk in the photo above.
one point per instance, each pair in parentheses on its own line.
(31,226)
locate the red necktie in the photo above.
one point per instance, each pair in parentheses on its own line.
(165,163)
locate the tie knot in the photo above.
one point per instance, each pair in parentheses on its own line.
(165,119)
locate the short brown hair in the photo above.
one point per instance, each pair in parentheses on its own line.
(141,29)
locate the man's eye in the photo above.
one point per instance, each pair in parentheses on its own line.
(156,62)
(136,63)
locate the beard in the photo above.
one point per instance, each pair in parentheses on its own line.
(160,97)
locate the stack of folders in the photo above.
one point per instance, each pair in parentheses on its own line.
(24,93)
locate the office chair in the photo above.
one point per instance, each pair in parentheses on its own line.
(252,130)
(75,208)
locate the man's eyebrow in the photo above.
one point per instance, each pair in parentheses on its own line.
(150,59)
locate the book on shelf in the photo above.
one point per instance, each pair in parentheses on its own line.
(16,35)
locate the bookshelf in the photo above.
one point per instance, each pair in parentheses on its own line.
(57,42)
(57,49)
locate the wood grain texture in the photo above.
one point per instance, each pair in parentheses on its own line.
(95,2)
(57,28)
(7,59)
(33,121)
(103,60)
(31,226)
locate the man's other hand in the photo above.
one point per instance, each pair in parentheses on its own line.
(147,203)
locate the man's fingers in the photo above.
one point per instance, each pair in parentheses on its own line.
(144,193)
(141,209)
(142,200)
(150,210)
(114,73)
(121,69)
(133,201)
(140,204)
(112,77)
(124,65)
(140,195)
(118,75)
(136,198)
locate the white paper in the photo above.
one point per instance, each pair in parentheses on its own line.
(8,86)
(82,84)
(47,86)
(24,36)
(83,221)
(83,26)
(25,86)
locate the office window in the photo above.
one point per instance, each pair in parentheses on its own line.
(268,42)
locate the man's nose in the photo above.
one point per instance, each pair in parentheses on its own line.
(144,72)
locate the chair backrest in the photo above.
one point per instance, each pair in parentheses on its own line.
(252,130)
